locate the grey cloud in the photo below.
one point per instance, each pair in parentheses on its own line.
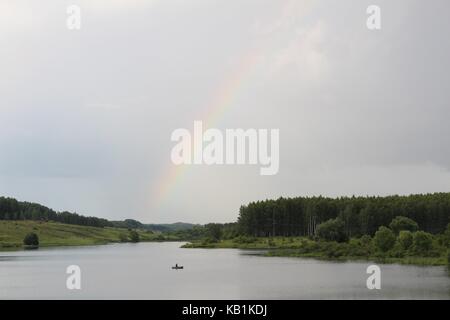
(86,117)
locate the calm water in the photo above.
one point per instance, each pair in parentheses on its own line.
(143,271)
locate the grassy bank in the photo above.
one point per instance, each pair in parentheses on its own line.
(303,247)
(12,234)
(413,260)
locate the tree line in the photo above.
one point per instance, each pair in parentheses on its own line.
(11,209)
(301,216)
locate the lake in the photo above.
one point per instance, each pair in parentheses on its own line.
(143,271)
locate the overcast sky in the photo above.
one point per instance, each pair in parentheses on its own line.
(86,115)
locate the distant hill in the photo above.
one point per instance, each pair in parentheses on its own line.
(128,223)
(166,227)
(177,226)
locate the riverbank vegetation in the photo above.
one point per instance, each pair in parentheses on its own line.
(21,221)
(31,240)
(407,248)
(16,234)
(19,218)
(406,229)
(360,215)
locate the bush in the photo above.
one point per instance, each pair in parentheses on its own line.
(134,236)
(333,250)
(422,242)
(447,236)
(332,230)
(405,239)
(160,237)
(244,239)
(365,240)
(123,237)
(397,251)
(214,231)
(208,241)
(384,239)
(403,223)
(31,239)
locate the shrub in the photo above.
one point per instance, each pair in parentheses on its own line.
(244,239)
(332,230)
(384,239)
(134,236)
(447,236)
(123,237)
(397,251)
(403,223)
(31,239)
(405,239)
(214,231)
(356,249)
(208,241)
(333,250)
(422,241)
(160,237)
(365,240)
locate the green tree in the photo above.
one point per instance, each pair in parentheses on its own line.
(332,230)
(300,216)
(422,241)
(214,231)
(31,239)
(134,236)
(384,239)
(400,223)
(447,236)
(365,240)
(405,239)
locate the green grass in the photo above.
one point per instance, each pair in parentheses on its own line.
(12,234)
(306,248)
(250,243)
(411,260)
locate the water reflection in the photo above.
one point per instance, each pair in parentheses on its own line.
(144,271)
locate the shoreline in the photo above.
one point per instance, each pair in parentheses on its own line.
(299,250)
(268,252)
(411,260)
(55,246)
(55,234)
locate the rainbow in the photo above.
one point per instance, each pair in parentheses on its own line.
(222,101)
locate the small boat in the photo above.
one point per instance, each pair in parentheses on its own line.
(177,267)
